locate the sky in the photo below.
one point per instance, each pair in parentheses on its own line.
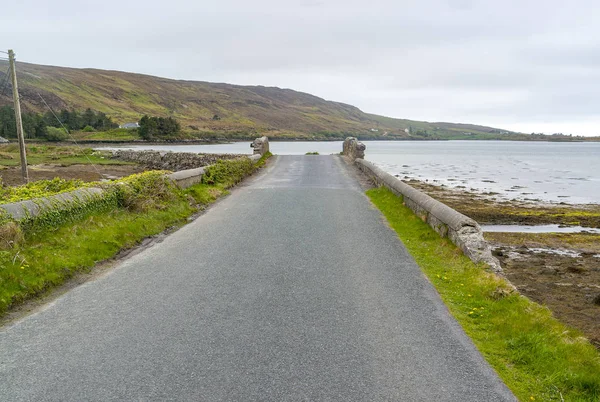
(526,65)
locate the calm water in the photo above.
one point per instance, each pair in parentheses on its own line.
(557,172)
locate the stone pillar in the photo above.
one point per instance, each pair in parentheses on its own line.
(260,145)
(354,149)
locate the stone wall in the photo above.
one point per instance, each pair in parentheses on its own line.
(354,149)
(460,229)
(174,161)
(152,159)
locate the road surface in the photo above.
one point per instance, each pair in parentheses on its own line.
(292,288)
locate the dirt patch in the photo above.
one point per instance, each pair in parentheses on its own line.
(558,270)
(12,175)
(561,271)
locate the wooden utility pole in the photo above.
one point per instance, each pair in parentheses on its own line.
(13,75)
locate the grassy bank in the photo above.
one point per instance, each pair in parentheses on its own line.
(41,253)
(58,155)
(538,357)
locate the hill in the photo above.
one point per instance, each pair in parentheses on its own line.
(212,109)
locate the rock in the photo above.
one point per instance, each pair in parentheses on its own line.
(549,271)
(498,253)
(173,161)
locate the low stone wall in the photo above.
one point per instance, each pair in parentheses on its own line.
(354,149)
(187,178)
(260,145)
(174,161)
(35,207)
(460,229)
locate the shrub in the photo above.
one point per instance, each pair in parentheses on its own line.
(36,189)
(56,134)
(229,172)
(148,190)
(88,129)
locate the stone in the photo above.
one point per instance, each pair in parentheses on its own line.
(173,161)
(354,149)
(260,145)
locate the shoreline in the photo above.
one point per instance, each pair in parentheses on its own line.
(225,140)
(558,270)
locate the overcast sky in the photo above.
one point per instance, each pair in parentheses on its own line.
(523,65)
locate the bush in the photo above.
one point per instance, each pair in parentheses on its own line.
(148,190)
(88,129)
(229,172)
(56,134)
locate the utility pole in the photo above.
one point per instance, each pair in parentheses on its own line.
(13,74)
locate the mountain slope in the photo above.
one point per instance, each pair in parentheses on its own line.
(210,107)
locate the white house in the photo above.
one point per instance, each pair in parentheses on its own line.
(129,125)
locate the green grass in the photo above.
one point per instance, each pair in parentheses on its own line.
(535,355)
(117,134)
(48,258)
(55,155)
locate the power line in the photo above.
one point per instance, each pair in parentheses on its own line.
(69,134)
(5,84)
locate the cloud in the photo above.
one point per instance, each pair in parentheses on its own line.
(504,63)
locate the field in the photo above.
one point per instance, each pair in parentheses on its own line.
(68,162)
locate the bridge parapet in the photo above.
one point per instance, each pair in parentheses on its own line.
(354,149)
(260,145)
(460,229)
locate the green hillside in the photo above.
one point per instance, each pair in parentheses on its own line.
(210,109)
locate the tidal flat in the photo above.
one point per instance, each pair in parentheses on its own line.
(558,270)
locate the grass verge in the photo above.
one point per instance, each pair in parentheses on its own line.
(538,357)
(56,155)
(45,252)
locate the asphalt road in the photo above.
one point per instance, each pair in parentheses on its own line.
(292,288)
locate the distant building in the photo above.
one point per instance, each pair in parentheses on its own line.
(129,125)
(374,130)
(3,140)
(407,130)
